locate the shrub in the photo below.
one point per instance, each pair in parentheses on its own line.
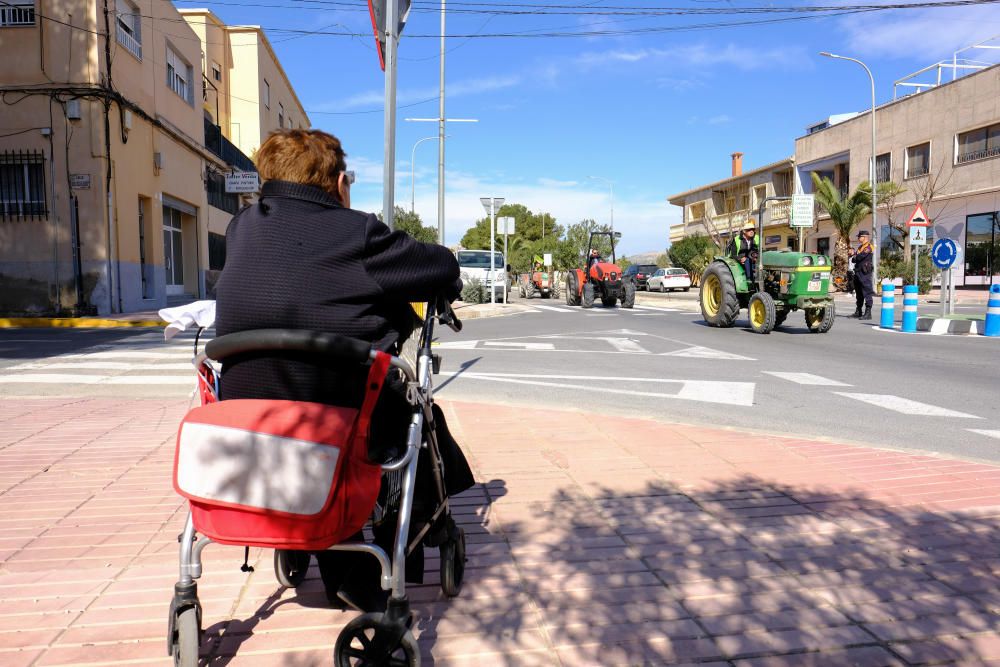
(473,292)
(895,265)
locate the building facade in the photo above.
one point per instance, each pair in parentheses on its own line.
(109,168)
(719,209)
(941,146)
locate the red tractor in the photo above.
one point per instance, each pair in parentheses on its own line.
(599,279)
(540,282)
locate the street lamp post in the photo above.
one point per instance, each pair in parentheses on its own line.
(491,204)
(413,171)
(612,186)
(871,168)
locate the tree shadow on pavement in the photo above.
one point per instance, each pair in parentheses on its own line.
(736,570)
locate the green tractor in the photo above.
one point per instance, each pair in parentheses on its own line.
(785,281)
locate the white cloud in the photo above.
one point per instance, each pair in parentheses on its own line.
(723,119)
(643,221)
(375,98)
(929,34)
(701,55)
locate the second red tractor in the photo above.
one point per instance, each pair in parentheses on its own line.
(599,279)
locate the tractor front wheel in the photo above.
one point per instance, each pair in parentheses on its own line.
(820,320)
(588,295)
(628,294)
(780,317)
(719,303)
(763,313)
(572,289)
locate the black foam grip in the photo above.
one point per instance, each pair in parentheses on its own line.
(289,340)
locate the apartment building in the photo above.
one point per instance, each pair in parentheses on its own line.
(718,209)
(942,146)
(111,173)
(248,93)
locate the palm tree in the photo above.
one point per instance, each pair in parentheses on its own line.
(845,213)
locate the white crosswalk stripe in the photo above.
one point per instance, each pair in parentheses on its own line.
(807,378)
(906,406)
(988,433)
(553,309)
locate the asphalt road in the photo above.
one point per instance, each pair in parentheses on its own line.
(932,393)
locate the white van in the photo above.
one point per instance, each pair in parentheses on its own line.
(476,264)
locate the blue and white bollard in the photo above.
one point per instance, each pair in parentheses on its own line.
(992,325)
(888,305)
(910,309)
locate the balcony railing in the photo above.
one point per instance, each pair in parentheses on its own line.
(218,144)
(133,45)
(17,14)
(972,156)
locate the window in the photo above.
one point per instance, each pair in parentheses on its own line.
(22,185)
(180,77)
(696,211)
(760,194)
(129,27)
(216,251)
(216,71)
(978,144)
(883,168)
(16,13)
(823,246)
(918,160)
(267,94)
(982,246)
(730,205)
(745,201)
(281,115)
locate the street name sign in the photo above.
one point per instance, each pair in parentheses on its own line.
(918,235)
(803,211)
(505,225)
(377,9)
(944,253)
(918,219)
(245,182)
(547,259)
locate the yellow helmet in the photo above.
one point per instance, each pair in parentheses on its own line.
(750,224)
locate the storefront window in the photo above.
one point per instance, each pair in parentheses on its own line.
(982,245)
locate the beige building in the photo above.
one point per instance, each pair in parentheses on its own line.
(247,91)
(942,146)
(718,209)
(112,179)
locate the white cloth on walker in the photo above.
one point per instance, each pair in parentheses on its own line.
(179,318)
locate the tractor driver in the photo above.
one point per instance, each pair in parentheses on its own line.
(595,258)
(745,249)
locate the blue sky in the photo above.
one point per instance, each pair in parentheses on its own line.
(656,113)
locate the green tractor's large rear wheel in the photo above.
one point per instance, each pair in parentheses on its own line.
(763,313)
(719,302)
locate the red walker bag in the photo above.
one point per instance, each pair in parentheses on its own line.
(279,474)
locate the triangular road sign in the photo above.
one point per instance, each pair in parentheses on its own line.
(378,10)
(918,219)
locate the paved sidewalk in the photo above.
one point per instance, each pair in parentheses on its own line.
(593,540)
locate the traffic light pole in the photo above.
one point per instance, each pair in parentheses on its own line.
(389,168)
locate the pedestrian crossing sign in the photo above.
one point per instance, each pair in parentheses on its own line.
(918,235)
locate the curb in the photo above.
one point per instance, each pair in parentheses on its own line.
(467,312)
(74,323)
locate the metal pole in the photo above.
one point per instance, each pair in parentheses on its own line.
(441,121)
(506,260)
(916,265)
(612,185)
(493,248)
(389,167)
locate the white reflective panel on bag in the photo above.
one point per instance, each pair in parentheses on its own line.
(258,470)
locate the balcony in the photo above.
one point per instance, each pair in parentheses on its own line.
(131,44)
(218,144)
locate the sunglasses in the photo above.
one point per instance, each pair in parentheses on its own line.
(350,177)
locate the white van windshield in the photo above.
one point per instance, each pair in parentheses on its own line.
(473,259)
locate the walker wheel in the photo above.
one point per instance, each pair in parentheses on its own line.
(453,563)
(356,646)
(187,639)
(290,567)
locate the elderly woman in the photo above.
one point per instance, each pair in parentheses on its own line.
(301,258)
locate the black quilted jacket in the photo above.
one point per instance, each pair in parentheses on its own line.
(299,260)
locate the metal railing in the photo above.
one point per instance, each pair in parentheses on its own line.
(22,185)
(972,156)
(215,187)
(17,14)
(127,40)
(218,144)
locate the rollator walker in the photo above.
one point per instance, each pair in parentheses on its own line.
(294,477)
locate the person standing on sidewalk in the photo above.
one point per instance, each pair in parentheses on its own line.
(863,269)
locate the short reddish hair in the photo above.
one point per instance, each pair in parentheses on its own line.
(309,157)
